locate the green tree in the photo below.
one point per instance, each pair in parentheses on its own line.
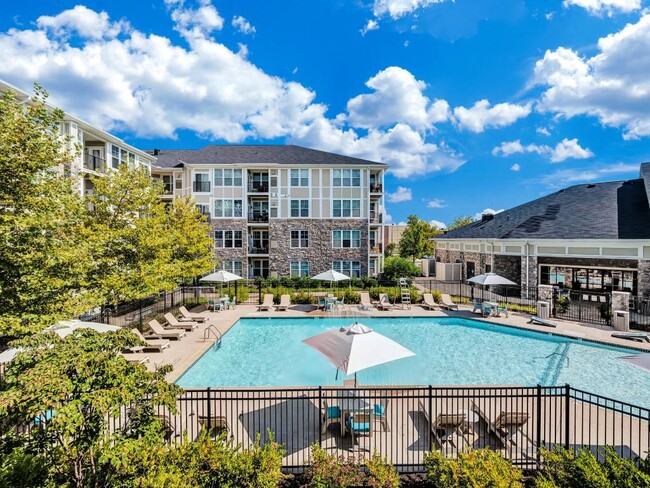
(43,254)
(390,250)
(416,239)
(396,268)
(460,222)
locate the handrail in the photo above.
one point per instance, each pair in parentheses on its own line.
(217,335)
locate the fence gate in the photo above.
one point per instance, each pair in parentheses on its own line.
(583,306)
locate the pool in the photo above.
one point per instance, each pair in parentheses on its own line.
(448,351)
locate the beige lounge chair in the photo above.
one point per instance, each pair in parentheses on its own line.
(177,324)
(267,304)
(384,302)
(136,358)
(447,429)
(153,344)
(429,302)
(285,301)
(365,303)
(507,427)
(162,333)
(192,316)
(447,302)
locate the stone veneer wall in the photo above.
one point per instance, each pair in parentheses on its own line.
(508,267)
(532,276)
(232,254)
(643,281)
(320,252)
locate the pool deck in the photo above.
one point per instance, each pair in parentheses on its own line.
(182,354)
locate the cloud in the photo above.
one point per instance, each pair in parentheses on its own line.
(543,131)
(609,7)
(371,25)
(478,215)
(82,21)
(481,116)
(195,22)
(399,8)
(515,167)
(613,85)
(242,25)
(436,203)
(402,194)
(564,177)
(566,149)
(437,224)
(397,97)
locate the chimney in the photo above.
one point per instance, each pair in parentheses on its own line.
(156,152)
(487,217)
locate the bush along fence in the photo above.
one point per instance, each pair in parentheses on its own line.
(403,424)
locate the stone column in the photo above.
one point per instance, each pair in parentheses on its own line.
(545,293)
(620,300)
(531,275)
(643,282)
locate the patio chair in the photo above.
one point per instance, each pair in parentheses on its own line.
(285,301)
(447,302)
(478,305)
(153,344)
(177,324)
(428,302)
(267,304)
(534,319)
(331,415)
(384,302)
(365,303)
(632,336)
(162,333)
(381,413)
(192,316)
(446,429)
(135,358)
(503,310)
(215,304)
(321,303)
(507,426)
(359,423)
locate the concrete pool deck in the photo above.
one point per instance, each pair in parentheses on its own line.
(182,354)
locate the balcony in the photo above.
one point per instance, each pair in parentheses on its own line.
(376,218)
(259,248)
(258,187)
(376,188)
(201,186)
(258,217)
(94,163)
(375,248)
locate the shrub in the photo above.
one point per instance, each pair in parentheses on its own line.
(303,298)
(349,296)
(562,305)
(394,294)
(480,467)
(20,468)
(381,474)
(396,268)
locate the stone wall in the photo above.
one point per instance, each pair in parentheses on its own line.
(508,267)
(531,275)
(320,252)
(643,282)
(232,254)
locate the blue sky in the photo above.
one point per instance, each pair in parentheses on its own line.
(480,104)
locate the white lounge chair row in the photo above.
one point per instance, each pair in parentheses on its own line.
(267,304)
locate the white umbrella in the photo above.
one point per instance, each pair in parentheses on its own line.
(331,275)
(67,327)
(222,277)
(356,347)
(639,360)
(488,279)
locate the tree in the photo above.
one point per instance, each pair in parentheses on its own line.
(396,268)
(390,249)
(416,239)
(460,222)
(43,255)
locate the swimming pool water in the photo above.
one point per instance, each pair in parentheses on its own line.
(448,351)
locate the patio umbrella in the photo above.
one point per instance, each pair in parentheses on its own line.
(488,279)
(67,327)
(639,360)
(356,347)
(331,275)
(222,277)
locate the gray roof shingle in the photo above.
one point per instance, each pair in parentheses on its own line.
(255,154)
(611,210)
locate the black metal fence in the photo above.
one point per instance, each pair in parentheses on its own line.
(403,424)
(583,306)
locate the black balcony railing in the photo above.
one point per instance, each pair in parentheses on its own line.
(258,217)
(376,218)
(201,186)
(262,248)
(258,187)
(376,188)
(375,248)
(94,163)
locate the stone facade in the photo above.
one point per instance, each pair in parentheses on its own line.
(528,277)
(643,278)
(237,253)
(508,267)
(320,253)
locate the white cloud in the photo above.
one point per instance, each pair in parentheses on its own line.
(566,149)
(242,25)
(195,22)
(437,224)
(543,131)
(613,85)
(82,21)
(564,177)
(549,15)
(436,203)
(371,25)
(609,7)
(402,194)
(397,97)
(478,215)
(515,167)
(481,116)
(399,8)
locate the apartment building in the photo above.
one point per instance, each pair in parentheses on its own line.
(283,210)
(96,151)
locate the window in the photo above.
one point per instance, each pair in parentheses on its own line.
(347,208)
(203,209)
(349,268)
(228,238)
(299,177)
(259,268)
(227,177)
(201,182)
(346,177)
(115,156)
(346,238)
(299,238)
(299,269)
(227,208)
(300,208)
(233,267)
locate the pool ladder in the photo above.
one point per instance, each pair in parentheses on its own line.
(212,329)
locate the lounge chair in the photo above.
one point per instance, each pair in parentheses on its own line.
(192,316)
(136,358)
(540,321)
(446,429)
(162,333)
(632,336)
(285,301)
(447,302)
(168,425)
(153,344)
(507,427)
(428,302)
(331,415)
(365,303)
(267,304)
(503,310)
(384,302)
(177,324)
